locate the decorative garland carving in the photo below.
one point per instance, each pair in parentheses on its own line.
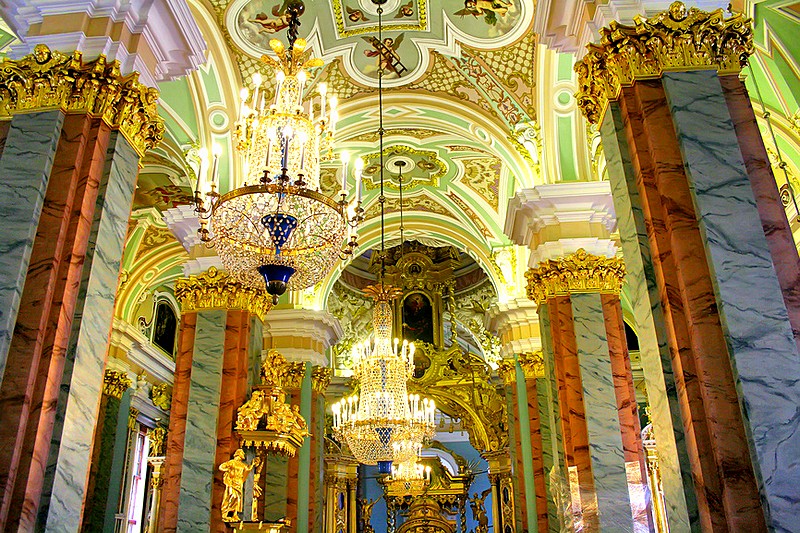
(580,272)
(48,80)
(678,39)
(215,289)
(115,383)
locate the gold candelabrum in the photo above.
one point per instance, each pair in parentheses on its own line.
(275,226)
(266,424)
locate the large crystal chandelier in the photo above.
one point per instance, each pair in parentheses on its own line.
(383,424)
(409,477)
(277,227)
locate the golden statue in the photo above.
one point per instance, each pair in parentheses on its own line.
(235,472)
(479,511)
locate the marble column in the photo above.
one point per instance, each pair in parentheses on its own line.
(508,373)
(531,371)
(108,461)
(692,177)
(212,366)
(598,417)
(303,336)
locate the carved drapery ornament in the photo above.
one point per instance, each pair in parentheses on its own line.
(580,272)
(115,383)
(532,364)
(266,421)
(218,290)
(678,39)
(47,80)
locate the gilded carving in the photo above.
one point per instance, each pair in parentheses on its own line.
(580,272)
(46,80)
(235,471)
(115,383)
(292,376)
(157,437)
(532,364)
(266,421)
(320,379)
(161,396)
(215,289)
(678,39)
(507,370)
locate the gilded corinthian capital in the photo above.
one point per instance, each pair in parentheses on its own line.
(115,383)
(678,39)
(47,80)
(214,289)
(580,272)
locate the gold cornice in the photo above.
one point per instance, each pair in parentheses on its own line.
(580,272)
(678,39)
(48,80)
(320,379)
(115,383)
(216,290)
(507,370)
(532,364)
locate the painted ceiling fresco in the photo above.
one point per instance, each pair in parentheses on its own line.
(412,30)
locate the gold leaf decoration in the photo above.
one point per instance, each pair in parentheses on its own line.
(215,289)
(48,80)
(580,272)
(678,39)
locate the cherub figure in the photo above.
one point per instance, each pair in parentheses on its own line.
(489,9)
(405,10)
(387,52)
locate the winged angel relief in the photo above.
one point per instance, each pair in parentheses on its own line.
(488,9)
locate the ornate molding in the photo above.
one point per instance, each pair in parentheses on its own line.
(507,370)
(47,80)
(115,383)
(678,39)
(215,289)
(576,273)
(320,379)
(532,364)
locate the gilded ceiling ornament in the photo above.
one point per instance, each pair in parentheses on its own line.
(678,39)
(215,289)
(47,80)
(266,421)
(580,272)
(532,364)
(115,383)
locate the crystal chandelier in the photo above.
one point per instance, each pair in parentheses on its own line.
(277,227)
(385,423)
(410,477)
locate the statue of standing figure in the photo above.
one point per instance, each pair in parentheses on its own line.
(235,471)
(479,511)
